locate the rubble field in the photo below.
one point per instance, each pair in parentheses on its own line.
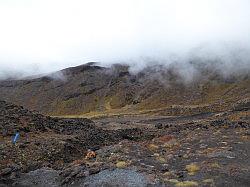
(206,149)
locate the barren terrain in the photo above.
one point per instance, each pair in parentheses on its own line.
(106,127)
(210,149)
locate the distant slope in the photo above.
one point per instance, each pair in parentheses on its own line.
(90,89)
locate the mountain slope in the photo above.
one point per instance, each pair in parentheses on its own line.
(90,89)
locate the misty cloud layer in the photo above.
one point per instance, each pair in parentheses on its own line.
(42,36)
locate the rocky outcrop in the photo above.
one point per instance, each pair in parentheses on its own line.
(44,141)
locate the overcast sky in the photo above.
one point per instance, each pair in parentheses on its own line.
(46,35)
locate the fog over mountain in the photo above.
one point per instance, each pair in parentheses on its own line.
(42,36)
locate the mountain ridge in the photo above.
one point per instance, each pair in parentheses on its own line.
(90,89)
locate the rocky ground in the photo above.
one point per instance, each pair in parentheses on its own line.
(207,149)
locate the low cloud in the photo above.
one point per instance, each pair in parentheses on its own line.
(38,37)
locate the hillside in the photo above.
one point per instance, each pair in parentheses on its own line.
(92,90)
(174,134)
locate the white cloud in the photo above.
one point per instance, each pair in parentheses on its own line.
(46,35)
